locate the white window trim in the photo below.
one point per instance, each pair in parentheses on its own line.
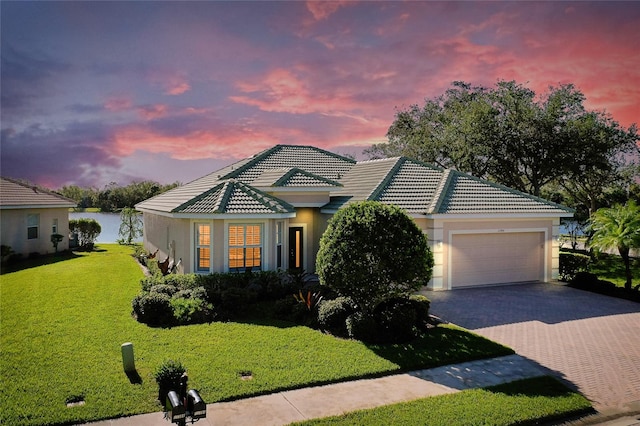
(265,245)
(194,247)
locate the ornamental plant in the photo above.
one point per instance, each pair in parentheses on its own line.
(372,252)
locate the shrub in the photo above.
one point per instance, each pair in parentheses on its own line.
(168,376)
(333,314)
(169,290)
(372,252)
(396,320)
(153,308)
(191,310)
(362,326)
(572,263)
(87,231)
(421,304)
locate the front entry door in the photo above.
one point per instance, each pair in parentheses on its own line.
(296,252)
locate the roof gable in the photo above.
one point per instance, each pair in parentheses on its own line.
(15,194)
(234,197)
(292,178)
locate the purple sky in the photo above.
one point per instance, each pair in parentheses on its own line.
(95,92)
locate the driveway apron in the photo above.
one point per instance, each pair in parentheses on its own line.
(588,340)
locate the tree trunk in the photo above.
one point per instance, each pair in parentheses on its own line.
(624,253)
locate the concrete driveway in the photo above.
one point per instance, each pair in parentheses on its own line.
(588,340)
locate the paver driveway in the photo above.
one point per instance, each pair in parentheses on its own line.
(589,340)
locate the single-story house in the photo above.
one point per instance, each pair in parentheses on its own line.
(269,211)
(29,215)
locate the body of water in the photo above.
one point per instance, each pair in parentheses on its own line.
(109,222)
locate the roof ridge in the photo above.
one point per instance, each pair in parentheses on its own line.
(441,191)
(251,162)
(197,198)
(261,197)
(295,170)
(399,162)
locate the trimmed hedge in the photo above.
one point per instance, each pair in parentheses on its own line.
(591,282)
(571,263)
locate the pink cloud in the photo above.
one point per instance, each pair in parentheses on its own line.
(323,9)
(176,86)
(151,112)
(118,103)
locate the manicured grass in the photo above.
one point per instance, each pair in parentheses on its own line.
(523,402)
(610,267)
(64,320)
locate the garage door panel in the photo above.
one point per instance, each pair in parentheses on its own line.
(481,259)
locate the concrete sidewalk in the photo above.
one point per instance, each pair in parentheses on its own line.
(296,405)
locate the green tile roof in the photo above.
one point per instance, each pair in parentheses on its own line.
(417,187)
(293,177)
(314,160)
(234,197)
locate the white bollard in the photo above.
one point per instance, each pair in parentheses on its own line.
(127,357)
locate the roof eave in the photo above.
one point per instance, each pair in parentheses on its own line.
(216,216)
(505,215)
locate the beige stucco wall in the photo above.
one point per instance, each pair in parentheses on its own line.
(315,224)
(171,236)
(13,225)
(315,198)
(439,233)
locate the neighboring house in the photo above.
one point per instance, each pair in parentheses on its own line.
(29,215)
(269,211)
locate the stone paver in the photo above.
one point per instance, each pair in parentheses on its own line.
(589,340)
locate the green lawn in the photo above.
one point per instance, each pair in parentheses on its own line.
(63,323)
(526,401)
(610,267)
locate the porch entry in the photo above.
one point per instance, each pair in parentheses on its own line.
(296,247)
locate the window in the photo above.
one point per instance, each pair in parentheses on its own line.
(279,230)
(33,222)
(245,247)
(203,247)
(54,226)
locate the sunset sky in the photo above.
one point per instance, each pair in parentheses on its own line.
(95,92)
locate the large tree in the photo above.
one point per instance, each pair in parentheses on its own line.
(513,136)
(617,228)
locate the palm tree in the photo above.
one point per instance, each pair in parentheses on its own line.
(617,227)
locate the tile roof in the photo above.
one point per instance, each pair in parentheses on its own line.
(234,197)
(293,177)
(468,194)
(15,194)
(417,187)
(314,160)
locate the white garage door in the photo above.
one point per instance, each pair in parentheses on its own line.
(481,259)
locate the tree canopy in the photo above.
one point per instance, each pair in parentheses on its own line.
(511,135)
(617,228)
(113,197)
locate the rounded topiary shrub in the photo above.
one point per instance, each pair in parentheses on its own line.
(333,314)
(153,308)
(371,252)
(421,304)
